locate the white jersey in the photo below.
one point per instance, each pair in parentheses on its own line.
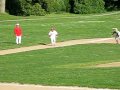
(53,34)
(118,32)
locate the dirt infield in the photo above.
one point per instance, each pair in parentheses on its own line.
(59,44)
(66,43)
(113,64)
(14,86)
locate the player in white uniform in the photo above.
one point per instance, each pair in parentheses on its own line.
(116,34)
(53,34)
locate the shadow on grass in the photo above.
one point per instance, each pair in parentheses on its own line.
(42,43)
(8,43)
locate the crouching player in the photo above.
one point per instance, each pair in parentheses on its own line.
(116,34)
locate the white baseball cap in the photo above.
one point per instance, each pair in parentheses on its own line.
(114,28)
(17,24)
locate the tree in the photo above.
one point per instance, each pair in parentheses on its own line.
(111,5)
(2,6)
(13,7)
(88,6)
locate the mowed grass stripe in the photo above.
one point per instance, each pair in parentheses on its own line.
(67,66)
(39,33)
(36,31)
(4,19)
(46,24)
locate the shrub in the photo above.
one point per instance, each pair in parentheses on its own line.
(37,10)
(13,7)
(26,8)
(111,5)
(67,5)
(89,6)
(54,5)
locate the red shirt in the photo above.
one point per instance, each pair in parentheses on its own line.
(18,31)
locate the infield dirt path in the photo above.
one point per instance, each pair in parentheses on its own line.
(14,86)
(59,44)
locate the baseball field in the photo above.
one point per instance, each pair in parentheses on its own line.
(74,65)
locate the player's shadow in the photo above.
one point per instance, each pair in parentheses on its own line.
(42,43)
(13,43)
(6,42)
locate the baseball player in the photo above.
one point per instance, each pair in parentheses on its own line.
(18,33)
(53,34)
(116,34)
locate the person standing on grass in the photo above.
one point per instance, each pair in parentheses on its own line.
(18,33)
(116,34)
(53,34)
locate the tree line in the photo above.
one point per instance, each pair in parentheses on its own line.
(42,7)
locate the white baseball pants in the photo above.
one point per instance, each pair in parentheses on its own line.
(53,40)
(18,39)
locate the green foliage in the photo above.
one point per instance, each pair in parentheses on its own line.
(89,6)
(54,5)
(25,8)
(13,7)
(67,5)
(37,10)
(29,9)
(111,5)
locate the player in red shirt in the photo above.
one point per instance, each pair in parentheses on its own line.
(18,33)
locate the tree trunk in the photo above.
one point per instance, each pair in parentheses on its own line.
(2,6)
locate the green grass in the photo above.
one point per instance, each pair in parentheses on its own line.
(69,26)
(67,66)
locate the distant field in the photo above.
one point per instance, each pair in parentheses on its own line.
(67,66)
(69,26)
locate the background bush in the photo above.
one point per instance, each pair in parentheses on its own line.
(111,5)
(54,5)
(13,7)
(37,10)
(27,7)
(89,6)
